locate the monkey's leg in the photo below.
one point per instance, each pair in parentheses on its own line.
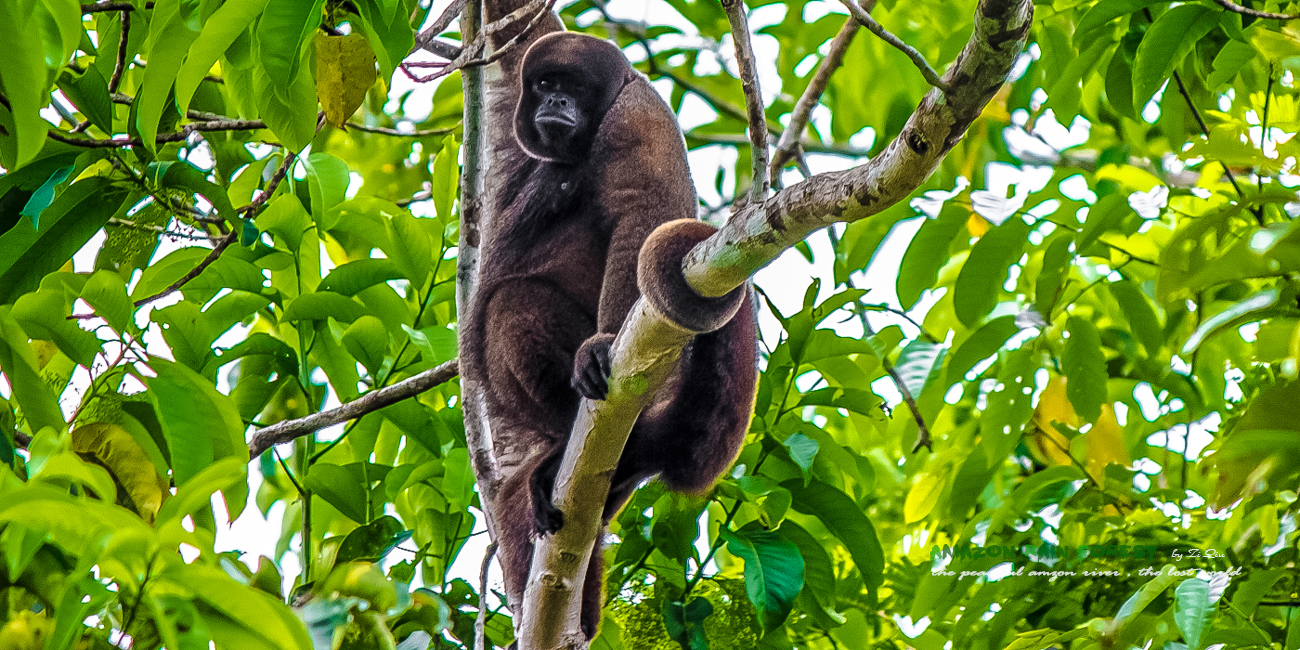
(532,331)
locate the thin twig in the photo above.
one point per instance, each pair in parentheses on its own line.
(480,619)
(161,230)
(1238,9)
(404,134)
(424,39)
(420,196)
(1205,130)
(862,16)
(256,204)
(753,96)
(179,136)
(111,6)
(788,145)
(122,43)
(808,146)
(540,9)
(290,430)
(922,431)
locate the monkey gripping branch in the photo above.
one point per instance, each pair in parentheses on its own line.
(649,344)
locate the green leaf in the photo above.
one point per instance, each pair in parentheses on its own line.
(411,247)
(1055,264)
(928,252)
(321,305)
(44,315)
(221,476)
(1084,365)
(288,110)
(37,400)
(773,572)
(846,520)
(1230,60)
(170,37)
(857,400)
(982,275)
(281,35)
(327,177)
(164,272)
(367,340)
(220,31)
(1235,313)
(918,362)
(985,342)
(106,293)
(89,93)
(183,176)
(1144,595)
(802,450)
(27,254)
(1103,12)
(200,424)
(44,196)
(344,487)
(113,448)
(1166,44)
(372,542)
(256,616)
(445,184)
(352,277)
(26,85)
(1192,610)
(1139,314)
(1010,406)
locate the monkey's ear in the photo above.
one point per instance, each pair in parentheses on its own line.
(659,276)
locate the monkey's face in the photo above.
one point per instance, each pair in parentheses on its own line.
(564,105)
(567,83)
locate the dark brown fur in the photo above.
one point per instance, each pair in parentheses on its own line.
(559,275)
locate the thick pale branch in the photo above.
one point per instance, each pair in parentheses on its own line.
(648,345)
(760,232)
(753,96)
(290,430)
(646,350)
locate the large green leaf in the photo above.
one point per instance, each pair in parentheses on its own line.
(1084,365)
(986,269)
(281,34)
(981,345)
(1192,610)
(773,572)
(1166,44)
(169,38)
(201,425)
(39,404)
(219,31)
(928,252)
(846,520)
(28,254)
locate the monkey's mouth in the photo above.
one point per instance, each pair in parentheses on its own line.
(554,120)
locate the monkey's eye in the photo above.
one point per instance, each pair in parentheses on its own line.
(546,85)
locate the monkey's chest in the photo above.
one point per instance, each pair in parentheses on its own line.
(570,256)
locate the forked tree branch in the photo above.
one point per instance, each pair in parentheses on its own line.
(290,430)
(648,344)
(753,96)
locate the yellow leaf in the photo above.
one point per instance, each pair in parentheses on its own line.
(345,70)
(1105,443)
(924,495)
(112,447)
(1048,445)
(977,225)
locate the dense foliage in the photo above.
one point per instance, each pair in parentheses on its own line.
(1100,329)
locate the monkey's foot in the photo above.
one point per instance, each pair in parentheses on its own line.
(547,519)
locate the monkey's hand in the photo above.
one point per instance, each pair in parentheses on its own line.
(591,367)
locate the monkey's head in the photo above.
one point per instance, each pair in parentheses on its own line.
(569,81)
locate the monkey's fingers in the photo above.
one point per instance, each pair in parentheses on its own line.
(602,359)
(547,519)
